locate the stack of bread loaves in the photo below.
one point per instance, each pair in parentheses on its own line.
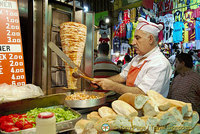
(73,37)
(151,114)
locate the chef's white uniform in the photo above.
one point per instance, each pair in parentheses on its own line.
(155,73)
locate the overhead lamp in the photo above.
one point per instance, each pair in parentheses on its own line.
(117,54)
(85,8)
(107,20)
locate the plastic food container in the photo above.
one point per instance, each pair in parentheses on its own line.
(46,123)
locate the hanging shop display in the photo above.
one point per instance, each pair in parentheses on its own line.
(181,21)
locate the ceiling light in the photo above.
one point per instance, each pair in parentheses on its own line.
(107,20)
(85,8)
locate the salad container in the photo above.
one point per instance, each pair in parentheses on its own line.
(51,101)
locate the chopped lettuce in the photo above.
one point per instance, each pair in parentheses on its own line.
(60,114)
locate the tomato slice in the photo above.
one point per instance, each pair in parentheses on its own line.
(19,124)
(5,125)
(27,126)
(10,118)
(12,129)
(2,119)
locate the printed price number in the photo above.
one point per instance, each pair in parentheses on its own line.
(11,13)
(12,20)
(13,40)
(17,77)
(15,63)
(18,83)
(1,70)
(8,26)
(16,70)
(9,33)
(15,57)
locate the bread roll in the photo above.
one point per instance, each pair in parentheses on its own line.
(193,120)
(181,106)
(85,127)
(106,111)
(184,108)
(122,123)
(190,110)
(195,130)
(165,118)
(174,126)
(160,101)
(106,120)
(151,123)
(140,100)
(94,116)
(150,108)
(138,124)
(182,129)
(135,100)
(176,114)
(123,108)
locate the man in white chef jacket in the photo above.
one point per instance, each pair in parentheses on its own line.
(149,70)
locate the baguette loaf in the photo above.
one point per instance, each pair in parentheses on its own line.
(165,118)
(106,120)
(85,127)
(184,128)
(106,111)
(94,116)
(135,100)
(190,110)
(150,108)
(122,123)
(176,114)
(151,123)
(138,124)
(181,106)
(193,120)
(172,127)
(184,108)
(195,130)
(160,101)
(123,108)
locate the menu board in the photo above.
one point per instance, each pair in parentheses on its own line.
(11,52)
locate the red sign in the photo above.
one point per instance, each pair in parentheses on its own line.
(11,52)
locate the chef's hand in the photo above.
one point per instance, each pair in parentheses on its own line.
(105,84)
(94,85)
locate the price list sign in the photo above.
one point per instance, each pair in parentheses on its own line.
(11,52)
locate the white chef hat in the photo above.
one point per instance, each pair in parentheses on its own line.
(150,27)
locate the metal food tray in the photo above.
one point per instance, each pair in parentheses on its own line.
(60,126)
(85,103)
(22,106)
